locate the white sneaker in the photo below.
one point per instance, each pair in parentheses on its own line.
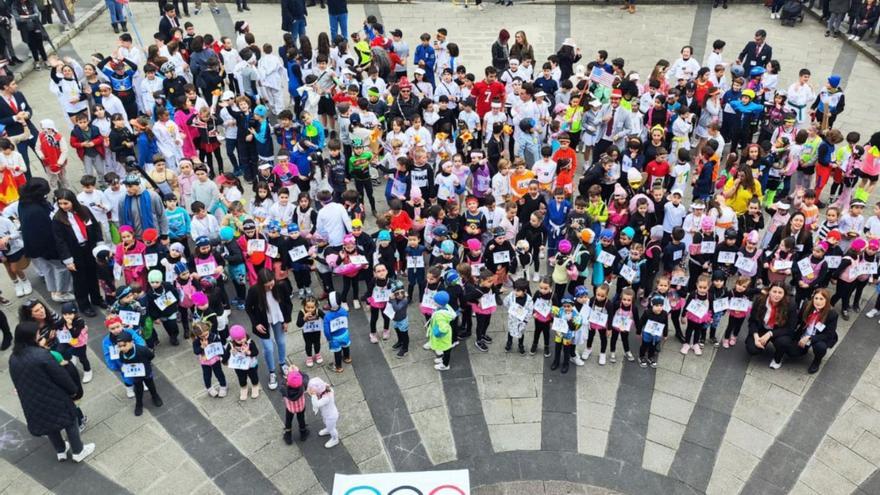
(87,376)
(333,442)
(438,360)
(28,288)
(775,365)
(129,392)
(19,288)
(577,361)
(273,381)
(613,357)
(344,306)
(356,304)
(601,359)
(440,367)
(323,432)
(872,313)
(213,391)
(536,278)
(630,357)
(62,456)
(222,393)
(427,346)
(66,297)
(86,451)
(698,349)
(586,355)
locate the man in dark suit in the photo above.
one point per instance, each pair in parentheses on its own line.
(169,22)
(15,115)
(756,53)
(293,17)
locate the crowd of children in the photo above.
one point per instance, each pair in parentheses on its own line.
(540,189)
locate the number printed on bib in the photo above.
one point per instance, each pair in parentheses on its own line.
(206,269)
(698,307)
(622,322)
(239,362)
(805,267)
(213,350)
(598,317)
(560,325)
(358,260)
(606,258)
(487,301)
(132,260)
(707,247)
(746,264)
(113,350)
(63,336)
(130,318)
(740,304)
(654,328)
(428,299)
(501,257)
(134,370)
(543,307)
(721,304)
(312,326)
(518,312)
(152,259)
(628,273)
(338,323)
(381,294)
(256,245)
(415,261)
(780,265)
(727,257)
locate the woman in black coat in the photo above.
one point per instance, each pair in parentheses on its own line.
(816,329)
(269,308)
(773,316)
(76,234)
(35,215)
(45,391)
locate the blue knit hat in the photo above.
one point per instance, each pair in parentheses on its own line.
(180,267)
(441,298)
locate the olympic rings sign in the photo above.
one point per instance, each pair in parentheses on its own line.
(417,483)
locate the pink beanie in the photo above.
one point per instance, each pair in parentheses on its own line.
(707,223)
(199,298)
(874,244)
(237,332)
(474,244)
(858,244)
(294,379)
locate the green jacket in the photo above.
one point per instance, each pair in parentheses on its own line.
(440,329)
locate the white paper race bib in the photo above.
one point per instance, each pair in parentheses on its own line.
(312,326)
(543,307)
(213,350)
(622,322)
(654,328)
(134,370)
(415,261)
(606,258)
(518,312)
(428,299)
(748,265)
(819,327)
(677,255)
(239,362)
(165,300)
(487,301)
(740,304)
(707,247)
(113,350)
(832,261)
(722,304)
(381,294)
(272,251)
(868,268)
(628,273)
(206,269)
(298,253)
(256,245)
(598,317)
(727,257)
(152,259)
(63,336)
(132,260)
(130,318)
(388,311)
(698,307)
(560,325)
(679,280)
(501,257)
(780,265)
(805,267)
(338,323)
(358,260)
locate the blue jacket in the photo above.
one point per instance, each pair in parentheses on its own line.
(336,338)
(115,365)
(426,54)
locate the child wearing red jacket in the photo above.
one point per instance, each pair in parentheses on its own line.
(88,142)
(52,150)
(658,169)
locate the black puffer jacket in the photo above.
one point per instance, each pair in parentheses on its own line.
(44,389)
(34,213)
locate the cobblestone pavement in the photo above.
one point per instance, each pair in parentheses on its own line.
(719,424)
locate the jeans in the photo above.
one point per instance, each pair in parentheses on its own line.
(834,21)
(298,28)
(117,13)
(338,25)
(269,349)
(73,438)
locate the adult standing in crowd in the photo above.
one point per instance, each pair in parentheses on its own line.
(756,53)
(34,213)
(15,115)
(6,33)
(293,18)
(816,330)
(740,189)
(76,235)
(45,389)
(269,308)
(142,209)
(501,51)
(117,15)
(27,20)
(337,11)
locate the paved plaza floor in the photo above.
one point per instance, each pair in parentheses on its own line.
(721,423)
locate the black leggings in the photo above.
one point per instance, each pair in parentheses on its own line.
(349,283)
(402,339)
(313,343)
(83,356)
(675,314)
(603,339)
(467,320)
(558,293)
(374,318)
(734,325)
(207,158)
(695,331)
(231,145)
(139,389)
(843,294)
(482,325)
(541,328)
(857,293)
(7,335)
(649,348)
(217,370)
(624,338)
(300,420)
(170,326)
(303,278)
(243,376)
(365,189)
(447,356)
(338,356)
(35,43)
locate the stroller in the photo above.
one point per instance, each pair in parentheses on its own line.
(792,12)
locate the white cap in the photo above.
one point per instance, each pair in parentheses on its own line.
(595,103)
(227,95)
(540,93)
(698,206)
(418,70)
(634,76)
(678,191)
(569,42)
(48,124)
(496,104)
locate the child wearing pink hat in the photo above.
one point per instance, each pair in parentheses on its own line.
(241,356)
(295,404)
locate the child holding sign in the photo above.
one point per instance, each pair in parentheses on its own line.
(519,309)
(625,315)
(566,323)
(111,350)
(598,318)
(162,304)
(653,329)
(379,290)
(310,320)
(240,355)
(698,314)
(542,307)
(739,307)
(130,256)
(208,347)
(136,366)
(336,332)
(720,297)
